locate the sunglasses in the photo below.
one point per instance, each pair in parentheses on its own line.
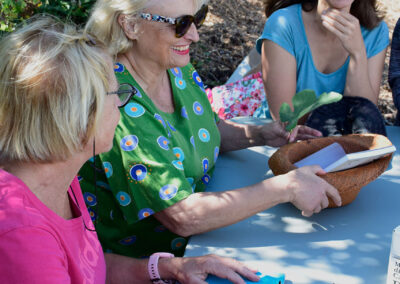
(182,23)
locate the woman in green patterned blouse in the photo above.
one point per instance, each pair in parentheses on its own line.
(148,192)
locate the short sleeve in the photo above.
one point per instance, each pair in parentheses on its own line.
(38,259)
(376,40)
(278,29)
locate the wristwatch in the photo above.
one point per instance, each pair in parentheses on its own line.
(153,268)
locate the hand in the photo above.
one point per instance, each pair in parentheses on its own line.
(275,134)
(309,193)
(346,27)
(196,269)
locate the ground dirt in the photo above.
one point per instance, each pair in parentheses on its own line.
(230,32)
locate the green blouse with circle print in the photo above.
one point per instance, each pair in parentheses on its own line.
(157,160)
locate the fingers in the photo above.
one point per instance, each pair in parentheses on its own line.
(302,132)
(230,269)
(334,195)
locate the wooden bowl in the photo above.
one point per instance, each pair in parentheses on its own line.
(348,182)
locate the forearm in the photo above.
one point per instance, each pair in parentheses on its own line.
(122,269)
(205,211)
(358,82)
(235,136)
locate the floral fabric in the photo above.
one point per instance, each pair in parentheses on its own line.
(241,98)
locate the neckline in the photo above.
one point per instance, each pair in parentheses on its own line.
(143,93)
(303,28)
(50,215)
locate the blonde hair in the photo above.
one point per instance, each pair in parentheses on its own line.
(103,21)
(52,87)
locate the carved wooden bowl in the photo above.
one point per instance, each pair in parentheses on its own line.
(348,182)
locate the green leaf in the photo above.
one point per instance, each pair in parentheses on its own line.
(303,103)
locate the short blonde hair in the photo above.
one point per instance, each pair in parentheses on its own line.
(52,87)
(103,21)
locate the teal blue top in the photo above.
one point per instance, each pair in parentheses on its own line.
(285,27)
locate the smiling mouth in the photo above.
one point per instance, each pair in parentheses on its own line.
(181,49)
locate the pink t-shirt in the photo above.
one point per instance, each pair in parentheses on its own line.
(38,246)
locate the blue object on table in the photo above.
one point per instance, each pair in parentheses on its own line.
(265,279)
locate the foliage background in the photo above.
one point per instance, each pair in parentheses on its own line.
(14,12)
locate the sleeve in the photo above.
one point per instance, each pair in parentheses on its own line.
(38,259)
(394,66)
(144,172)
(376,40)
(278,29)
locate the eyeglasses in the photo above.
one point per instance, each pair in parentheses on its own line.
(125,93)
(182,23)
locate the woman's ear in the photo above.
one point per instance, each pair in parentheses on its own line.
(128,26)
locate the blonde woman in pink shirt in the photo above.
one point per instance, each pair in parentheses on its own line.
(58,96)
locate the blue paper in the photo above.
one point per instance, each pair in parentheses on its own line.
(264,279)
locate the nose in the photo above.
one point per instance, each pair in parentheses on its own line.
(192,34)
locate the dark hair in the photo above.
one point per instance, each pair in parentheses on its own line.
(364,10)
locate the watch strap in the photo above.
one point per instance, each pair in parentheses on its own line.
(153,267)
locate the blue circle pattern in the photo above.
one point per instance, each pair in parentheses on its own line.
(197,79)
(204,135)
(144,213)
(118,67)
(123,198)
(129,143)
(108,169)
(205,165)
(184,112)
(134,110)
(180,83)
(92,214)
(160,119)
(138,93)
(216,153)
(168,192)
(176,71)
(206,179)
(128,241)
(178,243)
(138,172)
(178,152)
(178,164)
(103,184)
(163,142)
(90,199)
(197,108)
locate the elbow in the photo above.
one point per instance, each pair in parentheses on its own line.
(180,224)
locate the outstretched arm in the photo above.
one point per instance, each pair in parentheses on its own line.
(206,211)
(122,269)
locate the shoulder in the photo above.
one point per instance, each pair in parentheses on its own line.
(282,27)
(377,39)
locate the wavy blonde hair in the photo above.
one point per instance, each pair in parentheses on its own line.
(103,21)
(52,87)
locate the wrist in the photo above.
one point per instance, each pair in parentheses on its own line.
(158,270)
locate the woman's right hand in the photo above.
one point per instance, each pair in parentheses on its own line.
(196,269)
(309,192)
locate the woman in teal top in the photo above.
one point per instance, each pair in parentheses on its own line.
(324,46)
(150,187)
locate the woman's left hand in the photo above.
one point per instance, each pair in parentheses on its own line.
(275,134)
(346,27)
